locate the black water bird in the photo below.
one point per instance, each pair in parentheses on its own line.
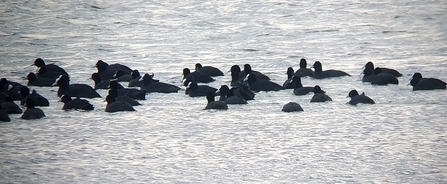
(151,86)
(39,62)
(227,96)
(42,82)
(248,70)
(10,106)
(292,107)
(76,104)
(319,95)
(31,111)
(197,77)
(212,104)
(195,90)
(209,70)
(261,85)
(420,83)
(38,100)
(4,117)
(393,72)
(288,83)
(356,98)
(117,106)
(382,78)
(303,71)
(75,90)
(298,88)
(319,73)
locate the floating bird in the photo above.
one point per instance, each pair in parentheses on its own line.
(356,98)
(420,83)
(212,104)
(320,74)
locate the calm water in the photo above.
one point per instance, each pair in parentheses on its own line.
(170,139)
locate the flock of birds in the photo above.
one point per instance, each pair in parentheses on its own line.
(244,84)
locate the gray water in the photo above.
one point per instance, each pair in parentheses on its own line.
(171,139)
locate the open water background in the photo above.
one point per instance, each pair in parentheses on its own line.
(171,139)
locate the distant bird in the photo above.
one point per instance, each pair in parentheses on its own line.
(133,93)
(10,88)
(248,70)
(382,78)
(197,77)
(304,71)
(131,101)
(116,106)
(212,104)
(38,100)
(102,84)
(235,79)
(319,95)
(75,90)
(135,81)
(10,106)
(44,73)
(39,62)
(194,90)
(152,86)
(298,88)
(356,98)
(31,111)
(227,96)
(209,70)
(4,115)
(288,83)
(121,76)
(319,73)
(368,74)
(261,85)
(420,83)
(292,107)
(42,82)
(107,71)
(76,104)
(393,72)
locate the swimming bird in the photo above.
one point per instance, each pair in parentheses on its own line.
(288,83)
(38,100)
(227,96)
(319,95)
(31,111)
(243,91)
(116,106)
(420,83)
(292,107)
(44,73)
(261,85)
(10,88)
(212,104)
(121,76)
(157,87)
(393,72)
(320,74)
(368,74)
(131,101)
(135,81)
(10,106)
(133,93)
(42,82)
(196,76)
(382,78)
(102,84)
(76,104)
(39,62)
(209,70)
(303,71)
(194,90)
(4,116)
(248,70)
(107,71)
(235,79)
(356,98)
(74,90)
(298,88)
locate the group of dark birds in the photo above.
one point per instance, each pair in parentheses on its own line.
(244,84)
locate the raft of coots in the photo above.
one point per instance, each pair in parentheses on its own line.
(243,87)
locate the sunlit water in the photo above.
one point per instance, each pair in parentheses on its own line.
(171,139)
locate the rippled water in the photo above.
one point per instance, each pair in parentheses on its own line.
(171,139)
